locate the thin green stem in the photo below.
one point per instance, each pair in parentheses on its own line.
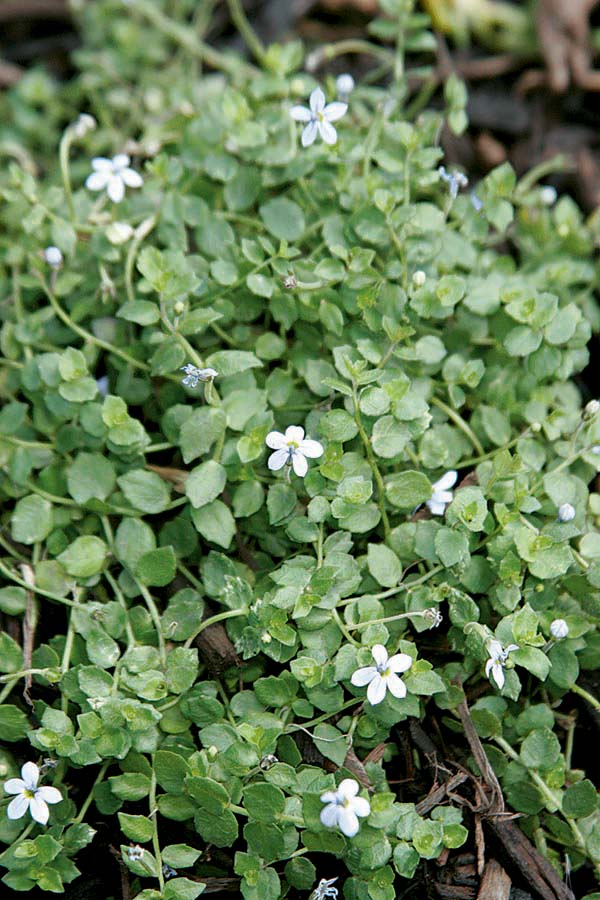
(390,592)
(88,800)
(589,698)
(407,615)
(460,422)
(322,718)
(63,157)
(87,336)
(131,642)
(68,649)
(155,840)
(242,24)
(31,587)
(373,463)
(219,617)
(345,631)
(155,616)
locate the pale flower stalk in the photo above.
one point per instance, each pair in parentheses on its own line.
(113,176)
(292,449)
(383,676)
(30,797)
(494,667)
(441,494)
(318,118)
(344,808)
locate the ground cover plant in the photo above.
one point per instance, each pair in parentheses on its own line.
(299,559)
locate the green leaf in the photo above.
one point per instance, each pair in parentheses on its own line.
(231,362)
(145,490)
(84,557)
(180,856)
(205,483)
(408,489)
(200,431)
(264,802)
(283,219)
(182,889)
(580,800)
(452,547)
(540,749)
(338,425)
(136,828)
(281,502)
(133,539)
(384,565)
(389,437)
(31,520)
(14,724)
(170,770)
(157,568)
(90,476)
(215,523)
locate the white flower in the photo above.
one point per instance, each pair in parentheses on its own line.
(119,233)
(292,448)
(102,385)
(441,494)
(559,629)
(383,675)
(53,257)
(344,85)
(566,512)
(193,375)
(548,194)
(135,853)
(454,180)
(30,796)
(113,175)
(324,889)
(319,118)
(497,661)
(83,124)
(343,807)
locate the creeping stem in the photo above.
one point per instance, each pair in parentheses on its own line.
(373,463)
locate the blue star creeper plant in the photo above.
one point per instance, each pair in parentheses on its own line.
(206,613)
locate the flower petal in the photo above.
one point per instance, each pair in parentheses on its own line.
(277,460)
(120,161)
(494,649)
(275,440)
(102,164)
(317,101)
(380,655)
(349,787)
(131,178)
(299,464)
(17,807)
(444,497)
(115,188)
(361,807)
(498,673)
(312,449)
(376,690)
(49,794)
(401,662)
(512,647)
(396,686)
(294,433)
(347,821)
(30,775)
(335,111)
(329,797)
(361,676)
(327,132)
(309,134)
(97,181)
(329,815)
(435,508)
(39,810)
(14,786)
(301,113)
(446,481)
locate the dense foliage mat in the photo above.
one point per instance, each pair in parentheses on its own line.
(295,476)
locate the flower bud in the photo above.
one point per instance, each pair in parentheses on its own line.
(536,427)
(566,512)
(179,308)
(559,629)
(419,278)
(212,752)
(84,124)
(344,85)
(591,409)
(53,257)
(548,195)
(119,232)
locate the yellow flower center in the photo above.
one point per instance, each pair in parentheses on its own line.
(293,445)
(29,794)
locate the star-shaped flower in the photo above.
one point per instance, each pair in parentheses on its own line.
(344,807)
(292,448)
(442,495)
(497,661)
(113,175)
(383,675)
(29,796)
(318,118)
